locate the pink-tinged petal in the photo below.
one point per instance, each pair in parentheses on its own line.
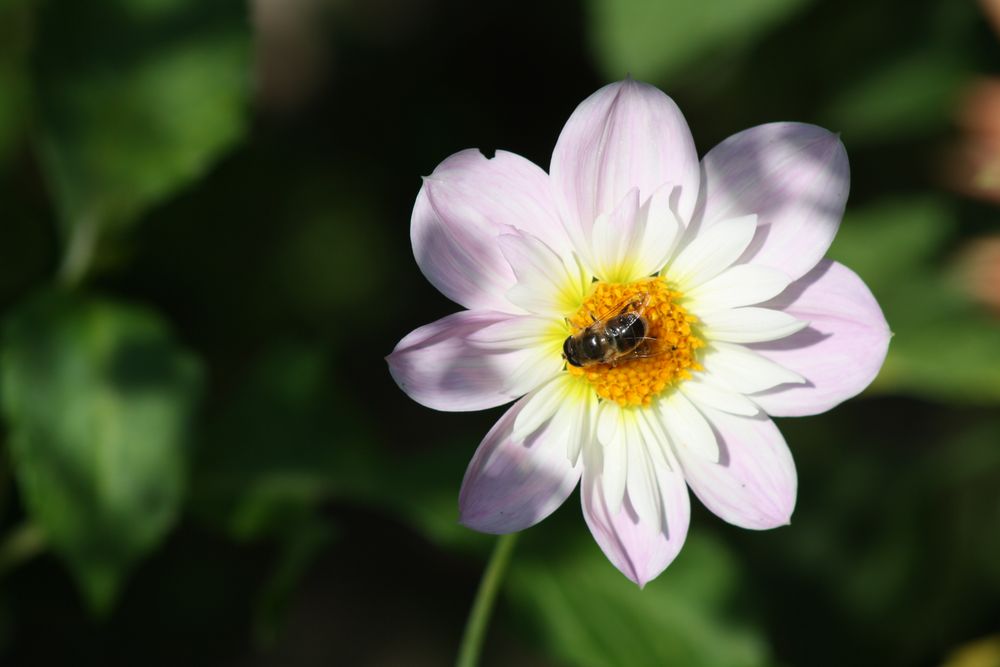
(460,210)
(640,549)
(754,483)
(794,177)
(441,366)
(841,351)
(511,485)
(547,283)
(626,135)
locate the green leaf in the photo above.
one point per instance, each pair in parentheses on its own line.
(291,438)
(945,346)
(15,34)
(137,98)
(588,614)
(98,399)
(654,39)
(909,96)
(276,449)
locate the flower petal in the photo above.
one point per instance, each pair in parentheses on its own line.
(754,483)
(841,351)
(460,210)
(512,484)
(626,135)
(749,325)
(794,177)
(710,252)
(740,285)
(634,242)
(615,235)
(515,332)
(663,230)
(687,427)
(639,547)
(546,283)
(439,366)
(641,485)
(702,392)
(612,436)
(741,369)
(542,405)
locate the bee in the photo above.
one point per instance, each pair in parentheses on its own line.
(622,333)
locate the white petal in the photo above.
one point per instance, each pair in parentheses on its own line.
(663,230)
(703,392)
(517,332)
(541,405)
(743,370)
(657,442)
(614,237)
(687,427)
(794,177)
(611,434)
(711,252)
(640,549)
(841,351)
(512,484)
(626,135)
(740,285)
(546,285)
(539,365)
(750,325)
(641,483)
(635,242)
(754,483)
(577,423)
(441,367)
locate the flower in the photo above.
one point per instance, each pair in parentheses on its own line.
(726,256)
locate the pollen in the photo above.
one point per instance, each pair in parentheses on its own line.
(666,358)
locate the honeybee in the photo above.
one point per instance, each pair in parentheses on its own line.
(622,333)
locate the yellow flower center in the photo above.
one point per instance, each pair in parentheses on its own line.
(635,379)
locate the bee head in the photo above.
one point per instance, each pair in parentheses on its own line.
(569,352)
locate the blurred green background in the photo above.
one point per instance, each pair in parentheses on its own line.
(204,257)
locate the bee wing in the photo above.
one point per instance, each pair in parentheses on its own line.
(635,303)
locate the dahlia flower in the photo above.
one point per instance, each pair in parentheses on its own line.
(743,320)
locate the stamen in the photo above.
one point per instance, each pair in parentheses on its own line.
(636,380)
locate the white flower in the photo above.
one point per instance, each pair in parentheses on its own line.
(728,257)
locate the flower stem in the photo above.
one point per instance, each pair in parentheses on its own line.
(479,616)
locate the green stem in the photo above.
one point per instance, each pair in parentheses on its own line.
(479,617)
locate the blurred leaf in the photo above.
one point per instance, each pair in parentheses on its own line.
(654,39)
(275,450)
(290,440)
(15,35)
(131,109)
(913,94)
(895,534)
(98,398)
(588,614)
(332,241)
(980,653)
(300,547)
(945,346)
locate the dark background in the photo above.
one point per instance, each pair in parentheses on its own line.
(204,258)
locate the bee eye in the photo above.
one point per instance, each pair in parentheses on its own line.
(592,346)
